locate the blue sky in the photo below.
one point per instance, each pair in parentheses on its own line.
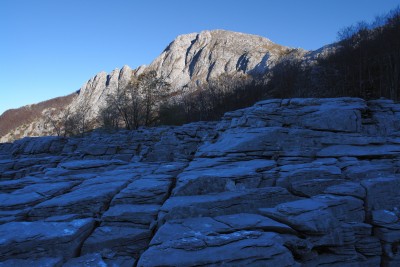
(49,48)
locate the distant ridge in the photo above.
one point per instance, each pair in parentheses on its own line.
(191,59)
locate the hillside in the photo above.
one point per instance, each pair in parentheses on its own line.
(26,121)
(191,59)
(286,182)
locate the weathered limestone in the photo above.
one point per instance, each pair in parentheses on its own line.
(25,240)
(295,182)
(223,203)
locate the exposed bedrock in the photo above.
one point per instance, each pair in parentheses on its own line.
(293,182)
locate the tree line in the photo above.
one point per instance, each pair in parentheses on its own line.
(365,63)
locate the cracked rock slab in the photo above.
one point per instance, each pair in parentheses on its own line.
(140,216)
(88,201)
(25,240)
(41,262)
(223,203)
(122,241)
(239,248)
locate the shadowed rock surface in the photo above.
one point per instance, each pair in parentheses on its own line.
(292,182)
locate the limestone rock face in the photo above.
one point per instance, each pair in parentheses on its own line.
(286,182)
(94,92)
(198,57)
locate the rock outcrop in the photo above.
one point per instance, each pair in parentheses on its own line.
(195,58)
(293,182)
(191,59)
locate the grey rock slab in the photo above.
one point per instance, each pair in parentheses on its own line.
(359,151)
(122,241)
(13,215)
(334,260)
(307,216)
(189,228)
(24,240)
(146,190)
(223,203)
(88,260)
(10,186)
(19,201)
(382,193)
(333,118)
(347,189)
(47,189)
(368,169)
(171,168)
(40,262)
(384,217)
(110,178)
(42,145)
(29,162)
(89,164)
(223,177)
(192,227)
(246,221)
(304,172)
(361,230)
(88,201)
(6,165)
(344,208)
(309,188)
(387,235)
(94,149)
(224,164)
(97,260)
(63,218)
(369,246)
(264,142)
(233,249)
(140,216)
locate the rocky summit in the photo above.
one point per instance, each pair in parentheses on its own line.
(293,182)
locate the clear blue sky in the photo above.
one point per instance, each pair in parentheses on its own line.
(49,48)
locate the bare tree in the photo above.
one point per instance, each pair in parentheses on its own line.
(75,121)
(52,118)
(154,90)
(136,104)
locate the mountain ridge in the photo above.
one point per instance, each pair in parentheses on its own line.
(189,60)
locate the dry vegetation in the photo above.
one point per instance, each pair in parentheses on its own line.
(14,118)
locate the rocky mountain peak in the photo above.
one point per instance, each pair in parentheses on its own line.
(198,57)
